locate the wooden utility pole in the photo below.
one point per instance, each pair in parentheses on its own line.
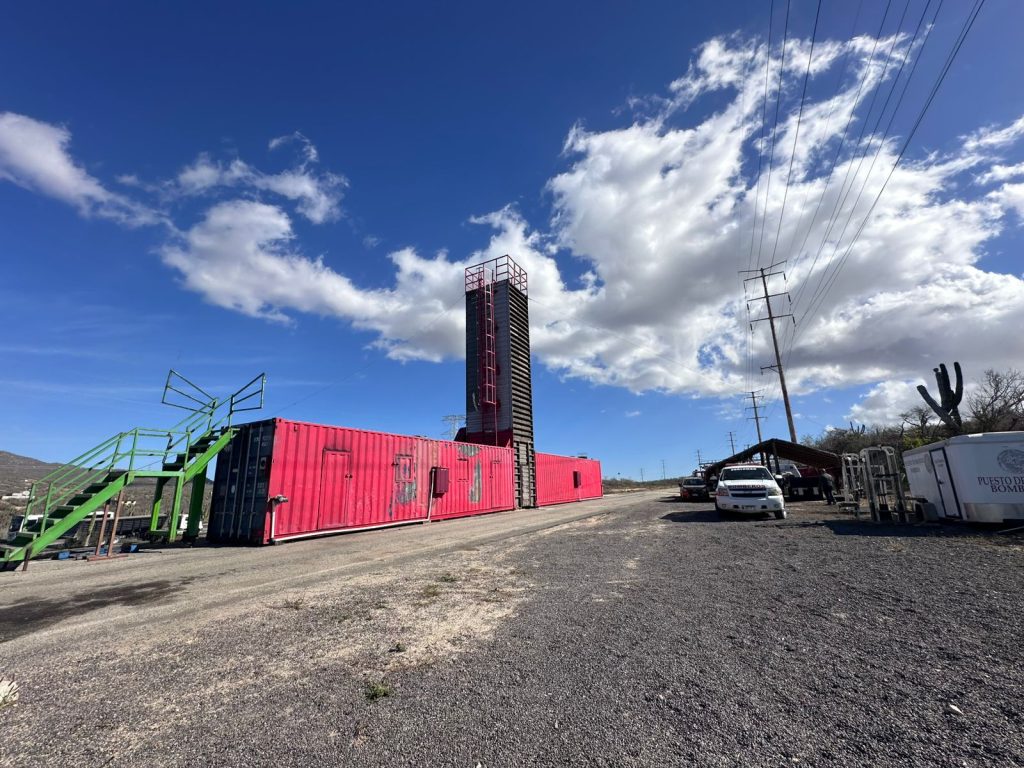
(762,274)
(732,443)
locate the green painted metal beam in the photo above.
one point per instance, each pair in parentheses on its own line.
(195,507)
(30,543)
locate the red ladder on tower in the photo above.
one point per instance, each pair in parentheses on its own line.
(488,357)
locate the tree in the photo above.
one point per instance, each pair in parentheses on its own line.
(997,404)
(918,426)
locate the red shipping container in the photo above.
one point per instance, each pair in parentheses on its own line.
(561,479)
(281,479)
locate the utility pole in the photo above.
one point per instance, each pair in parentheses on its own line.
(454,421)
(762,274)
(663,469)
(756,418)
(699,462)
(732,443)
(641,475)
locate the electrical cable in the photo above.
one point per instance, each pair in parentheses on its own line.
(880,147)
(775,132)
(972,16)
(796,136)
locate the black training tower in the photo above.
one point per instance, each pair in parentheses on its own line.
(499,393)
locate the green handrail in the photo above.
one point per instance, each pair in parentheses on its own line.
(69,480)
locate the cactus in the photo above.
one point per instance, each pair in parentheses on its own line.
(948,407)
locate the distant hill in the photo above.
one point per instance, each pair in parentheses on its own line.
(18,472)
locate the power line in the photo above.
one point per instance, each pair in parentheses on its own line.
(756,418)
(844,191)
(828,121)
(885,134)
(763,276)
(839,148)
(757,185)
(796,134)
(951,57)
(775,132)
(760,150)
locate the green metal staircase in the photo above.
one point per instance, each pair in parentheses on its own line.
(179,455)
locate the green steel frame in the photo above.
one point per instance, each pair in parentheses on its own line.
(68,495)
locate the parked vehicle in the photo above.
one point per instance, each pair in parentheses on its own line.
(749,489)
(693,489)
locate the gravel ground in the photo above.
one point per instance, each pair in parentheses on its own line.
(649,633)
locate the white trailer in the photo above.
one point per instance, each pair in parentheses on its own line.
(978,478)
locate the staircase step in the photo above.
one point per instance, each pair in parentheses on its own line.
(59,513)
(79,499)
(23,538)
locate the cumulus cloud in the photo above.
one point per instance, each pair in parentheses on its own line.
(317,194)
(242,256)
(660,216)
(884,402)
(634,279)
(35,155)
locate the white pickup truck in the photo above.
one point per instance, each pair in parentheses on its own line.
(749,489)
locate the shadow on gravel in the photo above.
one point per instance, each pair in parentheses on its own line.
(911,530)
(695,516)
(30,616)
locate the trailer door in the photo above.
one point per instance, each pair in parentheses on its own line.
(946,492)
(334,485)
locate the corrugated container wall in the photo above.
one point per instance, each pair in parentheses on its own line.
(561,479)
(337,479)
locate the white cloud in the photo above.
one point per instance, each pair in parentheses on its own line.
(995,137)
(317,195)
(884,402)
(35,155)
(659,213)
(1001,173)
(1011,196)
(631,414)
(658,217)
(309,150)
(241,256)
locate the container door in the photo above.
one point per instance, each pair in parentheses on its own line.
(405,480)
(334,479)
(462,481)
(946,493)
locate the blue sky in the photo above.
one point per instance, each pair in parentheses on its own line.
(544,118)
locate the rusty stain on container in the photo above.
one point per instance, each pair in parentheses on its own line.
(476,489)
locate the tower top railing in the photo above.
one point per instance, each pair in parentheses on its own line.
(498,270)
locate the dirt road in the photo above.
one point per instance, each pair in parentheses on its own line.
(625,631)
